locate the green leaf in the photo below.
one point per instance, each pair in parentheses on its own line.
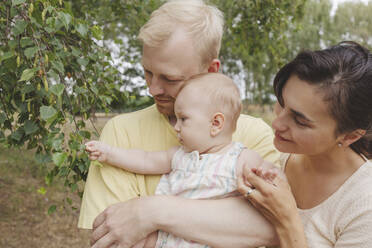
(57,89)
(17,2)
(97,32)
(75,51)
(7,55)
(85,134)
(83,62)
(56,64)
(47,112)
(28,74)
(57,144)
(41,191)
(30,127)
(73,187)
(30,52)
(54,75)
(2,118)
(25,41)
(19,27)
(96,163)
(27,88)
(82,29)
(65,19)
(42,158)
(17,135)
(52,209)
(58,158)
(69,201)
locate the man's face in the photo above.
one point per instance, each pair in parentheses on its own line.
(167,67)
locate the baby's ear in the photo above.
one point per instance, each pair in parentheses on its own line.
(218,123)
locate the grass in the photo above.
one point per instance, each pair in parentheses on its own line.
(24,221)
(24,218)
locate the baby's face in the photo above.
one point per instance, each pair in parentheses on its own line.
(194,120)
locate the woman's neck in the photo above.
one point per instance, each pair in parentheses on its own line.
(339,160)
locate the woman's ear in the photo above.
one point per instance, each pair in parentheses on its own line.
(218,123)
(352,137)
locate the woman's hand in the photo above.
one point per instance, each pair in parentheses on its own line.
(274,199)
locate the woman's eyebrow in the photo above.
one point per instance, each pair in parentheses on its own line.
(301,115)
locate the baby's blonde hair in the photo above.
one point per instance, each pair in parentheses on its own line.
(222,94)
(203,23)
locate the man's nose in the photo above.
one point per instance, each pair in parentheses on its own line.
(156,87)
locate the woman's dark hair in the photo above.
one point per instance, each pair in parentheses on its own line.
(344,74)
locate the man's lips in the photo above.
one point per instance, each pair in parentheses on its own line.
(162,100)
(278,136)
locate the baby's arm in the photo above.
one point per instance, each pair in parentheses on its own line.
(137,161)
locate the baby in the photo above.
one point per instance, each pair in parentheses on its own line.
(206,164)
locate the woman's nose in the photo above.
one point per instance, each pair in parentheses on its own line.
(279,121)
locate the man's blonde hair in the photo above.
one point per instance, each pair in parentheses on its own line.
(203,23)
(221,92)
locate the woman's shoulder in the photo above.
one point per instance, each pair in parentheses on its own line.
(355,195)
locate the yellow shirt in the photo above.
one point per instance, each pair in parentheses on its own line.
(149,130)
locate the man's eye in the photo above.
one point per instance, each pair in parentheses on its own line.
(172,80)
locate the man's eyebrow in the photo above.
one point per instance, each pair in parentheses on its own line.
(181,77)
(301,115)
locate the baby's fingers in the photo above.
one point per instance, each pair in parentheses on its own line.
(94,155)
(91,146)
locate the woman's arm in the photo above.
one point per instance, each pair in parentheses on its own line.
(229,222)
(276,202)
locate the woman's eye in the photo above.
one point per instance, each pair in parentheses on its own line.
(300,123)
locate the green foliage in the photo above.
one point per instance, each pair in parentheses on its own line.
(53,76)
(256,36)
(318,29)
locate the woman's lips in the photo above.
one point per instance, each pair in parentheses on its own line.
(278,136)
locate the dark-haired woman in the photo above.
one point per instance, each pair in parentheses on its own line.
(324,125)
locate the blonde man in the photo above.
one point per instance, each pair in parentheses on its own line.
(172,53)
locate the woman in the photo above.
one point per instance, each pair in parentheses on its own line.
(324,124)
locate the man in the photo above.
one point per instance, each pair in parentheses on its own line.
(181,39)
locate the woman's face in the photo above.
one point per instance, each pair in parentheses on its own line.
(303,125)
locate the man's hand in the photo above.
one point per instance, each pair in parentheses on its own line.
(123,224)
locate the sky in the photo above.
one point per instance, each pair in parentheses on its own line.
(336,2)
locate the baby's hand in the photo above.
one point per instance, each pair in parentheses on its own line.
(267,171)
(97,150)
